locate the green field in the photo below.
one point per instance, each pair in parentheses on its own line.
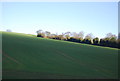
(29,57)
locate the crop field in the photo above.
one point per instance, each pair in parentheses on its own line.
(29,57)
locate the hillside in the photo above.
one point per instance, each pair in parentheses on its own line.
(28,56)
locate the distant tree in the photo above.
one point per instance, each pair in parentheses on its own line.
(81,35)
(62,37)
(43,34)
(8,30)
(88,38)
(39,31)
(57,36)
(110,40)
(110,35)
(67,35)
(96,41)
(47,34)
(87,41)
(39,35)
(102,42)
(106,41)
(75,35)
(52,36)
(113,42)
(73,39)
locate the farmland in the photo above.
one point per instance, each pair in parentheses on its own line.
(29,57)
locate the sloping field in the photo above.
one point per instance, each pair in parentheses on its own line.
(29,57)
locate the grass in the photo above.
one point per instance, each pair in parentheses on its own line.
(27,56)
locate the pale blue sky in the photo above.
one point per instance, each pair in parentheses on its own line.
(98,18)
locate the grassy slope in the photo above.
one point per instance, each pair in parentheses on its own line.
(26,56)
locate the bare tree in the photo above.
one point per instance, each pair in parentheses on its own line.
(111,36)
(75,35)
(81,34)
(89,36)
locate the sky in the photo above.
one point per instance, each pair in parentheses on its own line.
(98,18)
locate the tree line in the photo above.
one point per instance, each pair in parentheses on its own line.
(110,40)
